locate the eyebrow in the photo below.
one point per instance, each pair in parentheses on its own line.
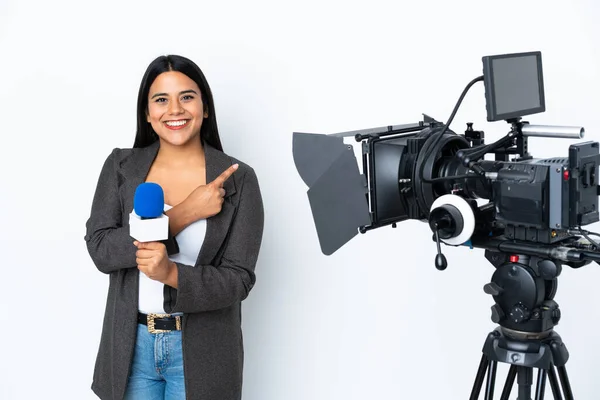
(183,92)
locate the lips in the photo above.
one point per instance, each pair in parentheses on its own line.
(175,125)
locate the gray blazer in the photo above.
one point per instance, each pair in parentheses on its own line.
(209,293)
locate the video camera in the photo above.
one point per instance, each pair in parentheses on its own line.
(529,227)
(425,171)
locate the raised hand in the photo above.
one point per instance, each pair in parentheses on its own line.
(207,200)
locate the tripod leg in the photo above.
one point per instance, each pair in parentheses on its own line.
(564,379)
(479,378)
(510,381)
(541,385)
(524,380)
(554,384)
(491,381)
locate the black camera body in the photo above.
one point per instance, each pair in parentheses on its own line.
(534,200)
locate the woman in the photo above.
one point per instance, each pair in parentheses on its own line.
(172,324)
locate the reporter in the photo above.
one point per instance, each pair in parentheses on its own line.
(189,287)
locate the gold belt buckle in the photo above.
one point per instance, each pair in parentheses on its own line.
(150,320)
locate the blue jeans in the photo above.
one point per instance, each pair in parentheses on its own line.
(157,367)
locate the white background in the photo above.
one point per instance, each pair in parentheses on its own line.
(375,320)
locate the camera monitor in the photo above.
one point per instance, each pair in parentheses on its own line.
(514,85)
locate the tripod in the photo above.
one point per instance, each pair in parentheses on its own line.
(524,353)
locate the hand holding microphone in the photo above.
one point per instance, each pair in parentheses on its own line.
(148,225)
(153,261)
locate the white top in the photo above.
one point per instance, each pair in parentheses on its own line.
(190,241)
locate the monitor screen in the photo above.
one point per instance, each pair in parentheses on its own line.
(514,85)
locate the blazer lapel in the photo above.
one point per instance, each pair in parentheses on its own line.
(218,225)
(134,170)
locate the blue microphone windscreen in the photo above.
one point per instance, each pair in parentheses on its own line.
(149,200)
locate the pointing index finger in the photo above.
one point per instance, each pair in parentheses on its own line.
(220,180)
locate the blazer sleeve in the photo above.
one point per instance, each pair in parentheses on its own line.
(212,287)
(108,241)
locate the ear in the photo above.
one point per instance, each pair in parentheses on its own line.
(205,112)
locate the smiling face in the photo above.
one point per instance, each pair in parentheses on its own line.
(175,108)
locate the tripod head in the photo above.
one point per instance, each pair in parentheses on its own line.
(523,288)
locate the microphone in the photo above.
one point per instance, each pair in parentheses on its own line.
(147,222)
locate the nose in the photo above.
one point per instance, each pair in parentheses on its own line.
(175,107)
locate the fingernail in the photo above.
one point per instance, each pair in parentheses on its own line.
(235,166)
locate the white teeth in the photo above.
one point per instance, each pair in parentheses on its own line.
(176,123)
